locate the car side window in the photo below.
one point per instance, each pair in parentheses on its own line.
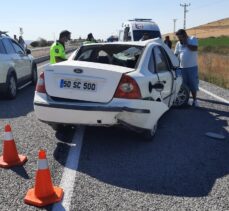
(18,48)
(151,63)
(2,48)
(8,46)
(161,64)
(168,59)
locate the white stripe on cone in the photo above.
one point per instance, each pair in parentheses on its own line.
(42,164)
(8,136)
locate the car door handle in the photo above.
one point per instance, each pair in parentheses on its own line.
(158,86)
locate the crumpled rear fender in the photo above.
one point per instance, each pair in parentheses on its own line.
(144,120)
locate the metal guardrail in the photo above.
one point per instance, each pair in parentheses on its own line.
(45,58)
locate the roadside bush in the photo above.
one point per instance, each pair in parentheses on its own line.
(42,42)
(34,44)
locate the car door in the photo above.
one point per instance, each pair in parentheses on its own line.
(24,61)
(164,77)
(16,62)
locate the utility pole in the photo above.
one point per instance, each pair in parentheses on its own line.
(185,11)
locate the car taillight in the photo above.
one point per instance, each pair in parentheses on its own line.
(41,83)
(127,88)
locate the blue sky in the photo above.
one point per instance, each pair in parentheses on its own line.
(46,19)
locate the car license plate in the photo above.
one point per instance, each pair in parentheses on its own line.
(78,84)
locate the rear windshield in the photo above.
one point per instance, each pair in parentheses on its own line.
(138,34)
(120,55)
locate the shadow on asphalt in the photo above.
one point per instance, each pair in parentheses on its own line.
(180,161)
(20,106)
(64,136)
(20,170)
(214,102)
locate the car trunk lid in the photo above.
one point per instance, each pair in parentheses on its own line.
(84,81)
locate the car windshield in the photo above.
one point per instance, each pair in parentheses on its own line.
(120,55)
(138,34)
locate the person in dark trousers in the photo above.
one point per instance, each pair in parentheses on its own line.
(186,51)
(57,50)
(168,42)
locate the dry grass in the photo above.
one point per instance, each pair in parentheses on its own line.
(213,29)
(214,68)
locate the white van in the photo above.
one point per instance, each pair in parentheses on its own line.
(133,30)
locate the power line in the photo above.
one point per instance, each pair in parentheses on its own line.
(185,11)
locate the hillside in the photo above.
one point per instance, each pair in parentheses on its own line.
(212,29)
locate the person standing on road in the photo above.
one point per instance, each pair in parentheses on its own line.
(57,50)
(90,39)
(168,42)
(22,43)
(15,38)
(186,51)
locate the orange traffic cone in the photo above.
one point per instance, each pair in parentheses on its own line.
(44,193)
(10,155)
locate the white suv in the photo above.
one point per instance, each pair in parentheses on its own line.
(17,66)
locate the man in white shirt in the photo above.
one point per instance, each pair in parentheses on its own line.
(186,51)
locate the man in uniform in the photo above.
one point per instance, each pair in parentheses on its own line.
(57,50)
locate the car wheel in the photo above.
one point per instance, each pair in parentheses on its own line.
(11,91)
(57,127)
(149,134)
(182,97)
(34,75)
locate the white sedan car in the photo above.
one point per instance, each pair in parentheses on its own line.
(104,84)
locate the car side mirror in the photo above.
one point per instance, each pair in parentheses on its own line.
(28,51)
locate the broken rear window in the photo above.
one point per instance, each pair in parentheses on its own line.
(120,55)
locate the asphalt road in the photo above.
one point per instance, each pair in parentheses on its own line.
(181,169)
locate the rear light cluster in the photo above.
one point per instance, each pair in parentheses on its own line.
(128,88)
(41,84)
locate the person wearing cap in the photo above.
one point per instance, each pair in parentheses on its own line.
(57,50)
(90,39)
(186,51)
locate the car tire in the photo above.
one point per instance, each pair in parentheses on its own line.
(182,97)
(57,127)
(34,75)
(149,134)
(11,87)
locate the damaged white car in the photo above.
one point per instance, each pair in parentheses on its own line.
(131,84)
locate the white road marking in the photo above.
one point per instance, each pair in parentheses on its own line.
(215,96)
(71,166)
(27,84)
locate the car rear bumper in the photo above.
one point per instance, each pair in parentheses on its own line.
(132,112)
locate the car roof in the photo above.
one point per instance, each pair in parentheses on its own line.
(3,34)
(136,43)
